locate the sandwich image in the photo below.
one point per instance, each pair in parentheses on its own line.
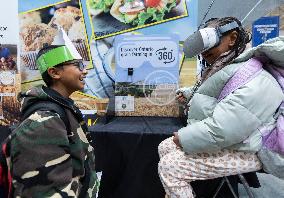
(140,12)
(97,7)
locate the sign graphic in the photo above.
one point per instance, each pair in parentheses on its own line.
(264,28)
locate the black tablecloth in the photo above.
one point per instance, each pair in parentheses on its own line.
(138,125)
(127,154)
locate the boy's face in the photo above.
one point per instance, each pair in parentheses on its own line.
(72,75)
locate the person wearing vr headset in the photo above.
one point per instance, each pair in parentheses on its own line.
(50,153)
(221,137)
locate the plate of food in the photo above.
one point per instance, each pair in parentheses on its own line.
(110,17)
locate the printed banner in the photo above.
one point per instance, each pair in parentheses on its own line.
(10,83)
(39,25)
(93,26)
(112,17)
(146,75)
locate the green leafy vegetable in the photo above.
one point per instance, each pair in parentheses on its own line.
(152,14)
(101,4)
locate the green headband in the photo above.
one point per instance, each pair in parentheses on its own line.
(53,58)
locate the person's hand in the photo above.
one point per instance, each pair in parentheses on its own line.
(176,140)
(180,98)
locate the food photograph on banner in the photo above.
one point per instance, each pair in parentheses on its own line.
(40,23)
(9,84)
(108,79)
(112,17)
(40,27)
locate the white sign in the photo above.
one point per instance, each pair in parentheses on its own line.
(9,33)
(7,77)
(124,103)
(135,51)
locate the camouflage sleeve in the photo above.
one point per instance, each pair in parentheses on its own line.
(41,165)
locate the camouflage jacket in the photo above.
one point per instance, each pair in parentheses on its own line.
(45,161)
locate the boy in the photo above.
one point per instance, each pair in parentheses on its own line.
(48,160)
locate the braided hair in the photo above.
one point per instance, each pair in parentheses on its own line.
(243,38)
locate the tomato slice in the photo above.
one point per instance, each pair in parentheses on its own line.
(152,3)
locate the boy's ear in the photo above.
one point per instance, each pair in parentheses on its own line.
(54,73)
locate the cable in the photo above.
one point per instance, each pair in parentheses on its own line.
(251,10)
(208,9)
(201,23)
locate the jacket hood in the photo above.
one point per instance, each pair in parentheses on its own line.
(42,93)
(272,50)
(31,96)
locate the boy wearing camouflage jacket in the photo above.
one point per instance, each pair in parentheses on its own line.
(47,160)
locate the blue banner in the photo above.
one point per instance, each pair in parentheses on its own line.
(265,28)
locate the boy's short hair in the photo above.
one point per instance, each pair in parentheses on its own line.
(45,76)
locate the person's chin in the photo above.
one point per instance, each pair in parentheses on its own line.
(81,88)
(78,88)
(82,85)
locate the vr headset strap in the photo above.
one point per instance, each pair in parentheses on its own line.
(228,27)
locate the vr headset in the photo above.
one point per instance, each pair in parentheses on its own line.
(205,39)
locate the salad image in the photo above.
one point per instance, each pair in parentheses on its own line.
(113,16)
(99,6)
(138,12)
